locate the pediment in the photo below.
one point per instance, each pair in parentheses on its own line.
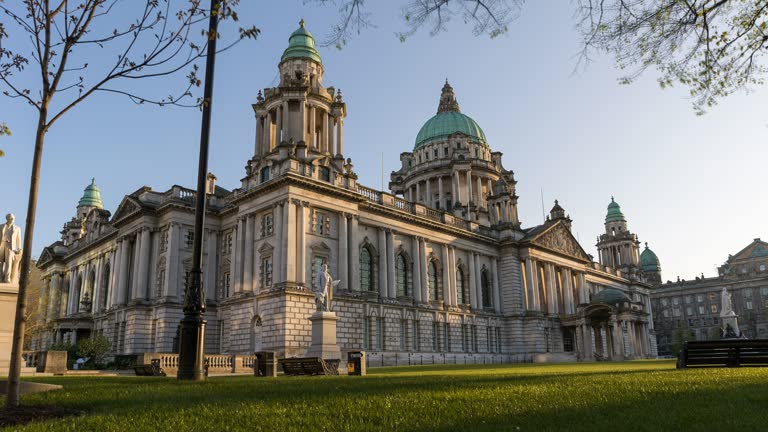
(46,257)
(127,207)
(756,249)
(560,239)
(266,248)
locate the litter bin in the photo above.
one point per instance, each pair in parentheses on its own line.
(265,364)
(356,363)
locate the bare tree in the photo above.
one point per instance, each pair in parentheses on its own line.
(63,41)
(489,17)
(713,47)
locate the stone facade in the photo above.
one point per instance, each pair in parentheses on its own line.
(439,269)
(691,309)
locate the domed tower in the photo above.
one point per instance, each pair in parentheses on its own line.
(91,199)
(452,168)
(649,262)
(300,111)
(618,247)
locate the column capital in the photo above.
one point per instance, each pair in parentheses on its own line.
(296,201)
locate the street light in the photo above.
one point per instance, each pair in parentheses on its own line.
(192,331)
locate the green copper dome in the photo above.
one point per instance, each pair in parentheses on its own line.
(301,44)
(649,261)
(448,121)
(91,196)
(614,213)
(609,296)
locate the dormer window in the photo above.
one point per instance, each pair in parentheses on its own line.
(264,174)
(324,173)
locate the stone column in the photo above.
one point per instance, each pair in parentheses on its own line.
(134,288)
(489,186)
(478,281)
(469,187)
(280,113)
(452,268)
(312,143)
(429,201)
(248,220)
(391,288)
(210,267)
(323,138)
(257,145)
(583,288)
(114,271)
(472,281)
(300,127)
(277,254)
(122,290)
(340,136)
(532,275)
(418,192)
(354,254)
(343,270)
(565,275)
(425,294)
(145,254)
(480,198)
(237,278)
(549,270)
(301,254)
(440,195)
(332,124)
(383,282)
(232,262)
(416,253)
(496,291)
(289,242)
(455,188)
(446,273)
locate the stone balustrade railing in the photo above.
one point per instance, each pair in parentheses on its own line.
(217,364)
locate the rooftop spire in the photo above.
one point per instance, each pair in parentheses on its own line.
(448,101)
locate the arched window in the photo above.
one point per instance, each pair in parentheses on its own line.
(432,281)
(460,286)
(105,287)
(78,288)
(401,276)
(264,175)
(366,270)
(485,281)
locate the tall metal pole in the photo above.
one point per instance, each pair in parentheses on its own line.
(192,331)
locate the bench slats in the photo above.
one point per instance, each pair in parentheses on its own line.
(730,353)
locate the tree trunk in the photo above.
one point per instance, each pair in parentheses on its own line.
(12,399)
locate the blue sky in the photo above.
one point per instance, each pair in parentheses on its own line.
(693,187)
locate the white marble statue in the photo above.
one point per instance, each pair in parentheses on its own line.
(10,250)
(726,304)
(324,285)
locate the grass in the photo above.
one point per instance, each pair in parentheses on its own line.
(641,395)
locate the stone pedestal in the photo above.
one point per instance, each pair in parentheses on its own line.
(733,321)
(8,295)
(324,336)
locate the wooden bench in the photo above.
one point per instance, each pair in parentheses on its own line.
(309,366)
(725,352)
(152,369)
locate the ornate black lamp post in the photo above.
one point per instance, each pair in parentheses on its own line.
(192,332)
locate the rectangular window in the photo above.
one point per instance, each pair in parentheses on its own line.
(676,301)
(403,324)
(322,224)
(446,337)
(747,293)
(267,225)
(702,310)
(190,239)
(226,285)
(416,341)
(265,272)
(688,299)
(712,296)
(380,334)
(435,345)
(699,298)
(689,310)
(664,302)
(713,308)
(665,313)
(749,304)
(677,312)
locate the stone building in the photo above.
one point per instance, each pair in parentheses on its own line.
(438,265)
(691,309)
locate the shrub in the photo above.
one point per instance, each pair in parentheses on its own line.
(96,348)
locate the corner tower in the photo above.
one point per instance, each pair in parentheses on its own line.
(651,266)
(300,111)
(618,247)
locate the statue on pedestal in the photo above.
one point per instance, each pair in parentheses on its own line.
(10,250)
(324,285)
(726,308)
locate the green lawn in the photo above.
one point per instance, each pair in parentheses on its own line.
(642,395)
